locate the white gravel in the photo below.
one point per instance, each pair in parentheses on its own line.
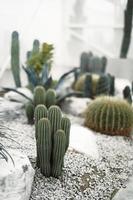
(83,177)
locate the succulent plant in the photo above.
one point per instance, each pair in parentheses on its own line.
(15,63)
(103,86)
(52,140)
(92,64)
(127,94)
(44,145)
(30,112)
(110,115)
(50,97)
(39,95)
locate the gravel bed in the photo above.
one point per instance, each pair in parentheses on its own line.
(83,178)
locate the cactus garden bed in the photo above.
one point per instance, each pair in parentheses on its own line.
(84,176)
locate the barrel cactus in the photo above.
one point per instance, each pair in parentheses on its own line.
(93,85)
(15,61)
(52,140)
(110,115)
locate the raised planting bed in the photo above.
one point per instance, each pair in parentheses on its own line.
(92,173)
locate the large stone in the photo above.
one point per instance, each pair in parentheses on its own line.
(17,97)
(16,180)
(84,140)
(125,193)
(75,106)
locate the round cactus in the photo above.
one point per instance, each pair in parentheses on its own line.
(30,112)
(39,95)
(110,115)
(79,85)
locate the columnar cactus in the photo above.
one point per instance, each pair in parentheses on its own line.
(39,95)
(15,63)
(30,112)
(40,112)
(110,115)
(84,60)
(52,141)
(88,86)
(50,97)
(65,126)
(36,45)
(59,146)
(44,146)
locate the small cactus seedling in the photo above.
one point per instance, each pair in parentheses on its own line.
(110,115)
(52,141)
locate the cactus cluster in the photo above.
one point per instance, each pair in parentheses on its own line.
(110,115)
(41,96)
(92,64)
(15,61)
(52,139)
(93,85)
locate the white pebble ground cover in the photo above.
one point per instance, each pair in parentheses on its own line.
(84,177)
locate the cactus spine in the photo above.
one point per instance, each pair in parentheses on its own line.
(58,144)
(110,115)
(44,146)
(15,63)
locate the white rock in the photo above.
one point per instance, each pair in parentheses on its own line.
(120,84)
(16,181)
(76,106)
(127,193)
(17,97)
(84,140)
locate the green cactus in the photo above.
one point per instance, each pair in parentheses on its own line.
(110,115)
(59,128)
(84,60)
(40,112)
(39,95)
(30,112)
(103,86)
(15,63)
(35,48)
(65,126)
(50,97)
(54,115)
(58,153)
(44,146)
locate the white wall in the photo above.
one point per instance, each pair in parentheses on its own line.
(51,21)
